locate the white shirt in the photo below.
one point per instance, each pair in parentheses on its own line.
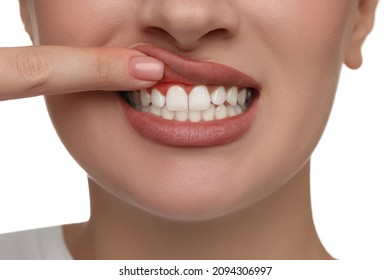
(36,244)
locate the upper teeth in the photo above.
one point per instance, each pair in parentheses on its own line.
(177,99)
(199,98)
(198,104)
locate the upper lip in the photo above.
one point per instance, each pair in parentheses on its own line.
(187,71)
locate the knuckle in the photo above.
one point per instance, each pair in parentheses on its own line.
(35,67)
(106,68)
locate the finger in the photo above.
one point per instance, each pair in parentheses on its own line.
(48,70)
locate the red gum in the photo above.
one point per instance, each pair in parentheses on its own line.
(164,87)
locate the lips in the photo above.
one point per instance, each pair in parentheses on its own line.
(186,71)
(180,71)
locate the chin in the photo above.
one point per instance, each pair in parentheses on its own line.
(185,192)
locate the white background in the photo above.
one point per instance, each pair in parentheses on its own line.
(40,184)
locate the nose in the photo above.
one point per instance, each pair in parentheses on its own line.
(189,22)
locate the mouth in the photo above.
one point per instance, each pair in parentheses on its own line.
(196,104)
(200,103)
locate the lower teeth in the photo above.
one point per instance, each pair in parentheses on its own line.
(141,101)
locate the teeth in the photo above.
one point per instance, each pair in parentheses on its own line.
(167,114)
(181,116)
(238,109)
(230,111)
(221,112)
(135,98)
(195,116)
(249,93)
(208,115)
(157,98)
(155,110)
(242,97)
(145,97)
(199,98)
(196,106)
(218,97)
(232,95)
(177,99)
(145,109)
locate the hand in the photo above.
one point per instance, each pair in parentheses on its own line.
(49,70)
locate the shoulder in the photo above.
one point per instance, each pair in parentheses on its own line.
(36,244)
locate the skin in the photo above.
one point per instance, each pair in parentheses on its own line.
(246,200)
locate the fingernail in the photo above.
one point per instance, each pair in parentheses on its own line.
(146,68)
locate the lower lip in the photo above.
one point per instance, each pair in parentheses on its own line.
(188,134)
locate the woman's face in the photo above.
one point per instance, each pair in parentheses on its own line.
(292,49)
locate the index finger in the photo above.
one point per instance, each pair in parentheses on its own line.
(48,70)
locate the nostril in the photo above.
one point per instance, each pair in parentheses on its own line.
(188,22)
(160,32)
(165,35)
(218,33)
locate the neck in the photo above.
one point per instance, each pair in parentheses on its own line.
(278,227)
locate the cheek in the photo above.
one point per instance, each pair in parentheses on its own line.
(301,57)
(82,23)
(308,53)
(302,48)
(295,32)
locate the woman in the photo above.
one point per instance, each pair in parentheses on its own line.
(212,160)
